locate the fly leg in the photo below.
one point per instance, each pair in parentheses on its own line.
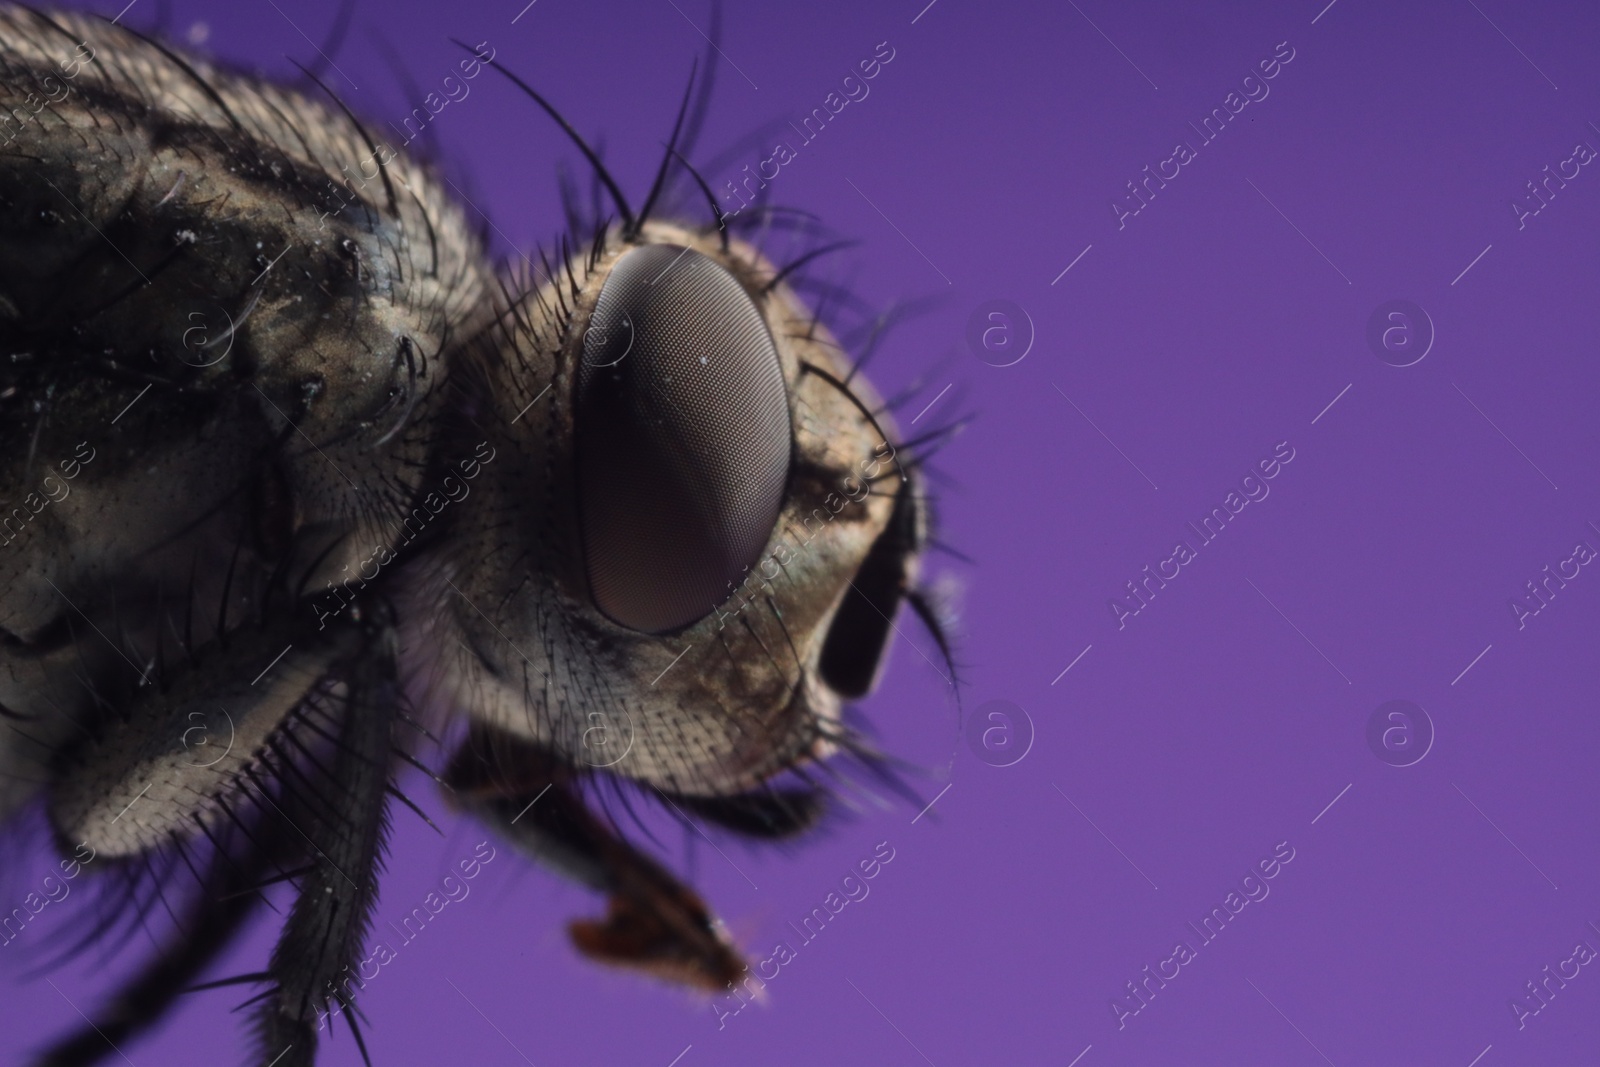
(654,922)
(321,941)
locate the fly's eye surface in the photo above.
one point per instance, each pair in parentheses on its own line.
(682,438)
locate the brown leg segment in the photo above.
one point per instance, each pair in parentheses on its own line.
(654,923)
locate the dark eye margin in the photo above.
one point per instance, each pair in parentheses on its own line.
(853,652)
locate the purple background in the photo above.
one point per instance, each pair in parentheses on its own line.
(1232,710)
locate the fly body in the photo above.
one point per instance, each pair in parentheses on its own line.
(299,488)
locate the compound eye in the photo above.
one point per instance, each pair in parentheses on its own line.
(682,438)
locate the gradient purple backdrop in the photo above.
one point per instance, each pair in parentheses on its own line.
(1233,709)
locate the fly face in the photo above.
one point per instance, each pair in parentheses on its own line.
(688,481)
